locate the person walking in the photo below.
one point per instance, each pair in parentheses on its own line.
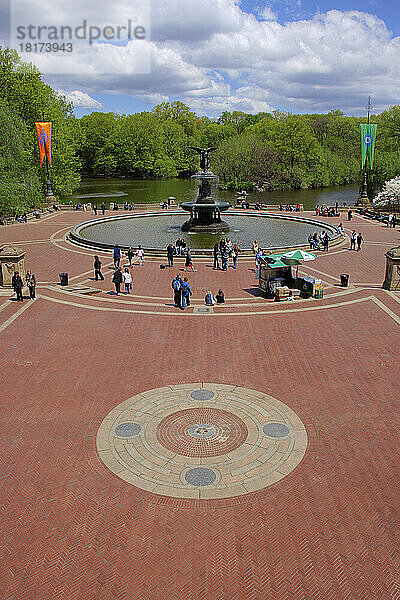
(189,261)
(353,239)
(117,280)
(31,283)
(18,286)
(170,255)
(349,214)
(216,255)
(127,279)
(95,208)
(116,254)
(186,293)
(97,269)
(360,240)
(103,208)
(177,287)
(389,220)
(140,255)
(235,254)
(255,247)
(130,255)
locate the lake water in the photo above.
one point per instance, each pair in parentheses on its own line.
(153,191)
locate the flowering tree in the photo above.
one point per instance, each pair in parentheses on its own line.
(389,194)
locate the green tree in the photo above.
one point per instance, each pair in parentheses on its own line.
(19,181)
(32,100)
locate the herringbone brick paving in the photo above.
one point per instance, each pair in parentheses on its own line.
(71,530)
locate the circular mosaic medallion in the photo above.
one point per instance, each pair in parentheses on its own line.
(201,432)
(178,442)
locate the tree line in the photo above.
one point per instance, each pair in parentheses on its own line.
(265,151)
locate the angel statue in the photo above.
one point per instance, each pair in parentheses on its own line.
(204,156)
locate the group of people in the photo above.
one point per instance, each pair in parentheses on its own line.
(392,220)
(210,299)
(182,291)
(102,208)
(290,207)
(317,241)
(120,276)
(223,251)
(18,285)
(172,252)
(117,255)
(356,239)
(327,211)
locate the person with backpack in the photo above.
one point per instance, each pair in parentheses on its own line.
(186,293)
(177,287)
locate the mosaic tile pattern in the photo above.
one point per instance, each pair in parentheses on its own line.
(201,432)
(236,442)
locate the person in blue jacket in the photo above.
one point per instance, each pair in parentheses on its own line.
(186,293)
(116,254)
(177,287)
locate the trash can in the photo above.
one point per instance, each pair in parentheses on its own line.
(344,279)
(63,278)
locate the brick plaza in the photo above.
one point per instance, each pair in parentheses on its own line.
(317,514)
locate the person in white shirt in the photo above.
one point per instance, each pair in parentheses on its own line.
(140,255)
(127,280)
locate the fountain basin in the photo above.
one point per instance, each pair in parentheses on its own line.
(155,230)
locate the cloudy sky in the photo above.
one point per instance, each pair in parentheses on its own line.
(216,55)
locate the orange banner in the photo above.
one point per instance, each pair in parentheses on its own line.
(43,132)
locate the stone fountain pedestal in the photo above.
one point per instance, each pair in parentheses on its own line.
(205,212)
(392,276)
(12,259)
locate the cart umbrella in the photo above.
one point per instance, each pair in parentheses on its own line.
(300,255)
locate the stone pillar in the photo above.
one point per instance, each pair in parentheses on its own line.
(11,259)
(392,276)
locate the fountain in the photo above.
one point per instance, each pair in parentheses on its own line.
(205,212)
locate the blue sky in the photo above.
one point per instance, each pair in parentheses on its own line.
(216,55)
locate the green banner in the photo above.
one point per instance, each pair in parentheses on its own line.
(368,135)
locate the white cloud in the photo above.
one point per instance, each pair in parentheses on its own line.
(267,14)
(214,56)
(81,99)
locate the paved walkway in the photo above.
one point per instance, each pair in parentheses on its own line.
(150,454)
